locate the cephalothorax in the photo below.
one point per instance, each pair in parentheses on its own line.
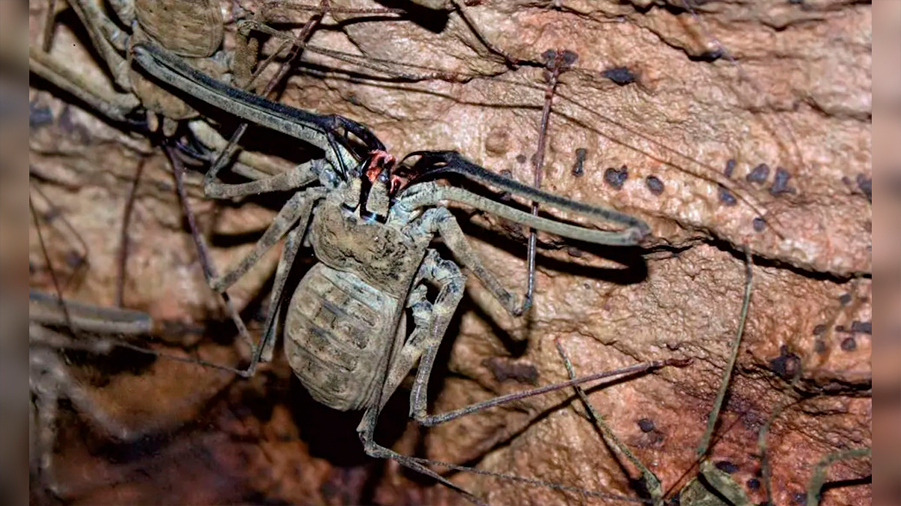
(370,222)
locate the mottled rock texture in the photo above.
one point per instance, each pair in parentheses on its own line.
(790,90)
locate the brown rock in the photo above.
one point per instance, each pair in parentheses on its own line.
(800,101)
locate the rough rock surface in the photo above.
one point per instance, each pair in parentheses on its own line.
(797,100)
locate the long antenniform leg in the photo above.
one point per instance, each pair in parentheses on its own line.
(424,347)
(721,481)
(423,342)
(651,482)
(556,63)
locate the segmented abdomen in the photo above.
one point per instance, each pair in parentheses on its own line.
(190,28)
(338,333)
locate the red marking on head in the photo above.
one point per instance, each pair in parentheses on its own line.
(379,160)
(372,172)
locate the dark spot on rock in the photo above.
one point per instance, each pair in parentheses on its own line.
(504,369)
(708,56)
(553,60)
(620,75)
(646,424)
(730,168)
(759,224)
(819,346)
(799,498)
(74,259)
(521,158)
(579,165)
(726,196)
(753,484)
(569,58)
(574,252)
(849,344)
(862,327)
(819,329)
(616,177)
(846,180)
(780,182)
(655,185)
(786,365)
(726,466)
(758,174)
(840,328)
(39,115)
(844,299)
(865,185)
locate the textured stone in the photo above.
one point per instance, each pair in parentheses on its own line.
(800,100)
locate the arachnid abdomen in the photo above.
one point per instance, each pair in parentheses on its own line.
(191,28)
(338,335)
